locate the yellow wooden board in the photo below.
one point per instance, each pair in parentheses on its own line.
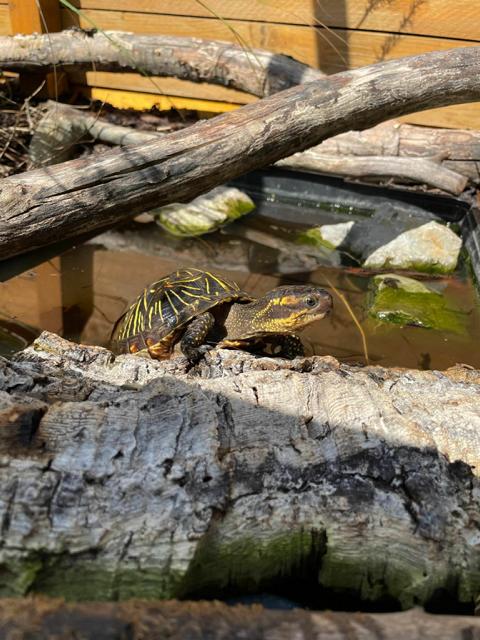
(5,25)
(448,18)
(145,101)
(331,51)
(34,16)
(167,86)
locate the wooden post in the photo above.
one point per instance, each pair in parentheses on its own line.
(38,16)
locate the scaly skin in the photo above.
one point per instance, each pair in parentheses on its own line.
(273,319)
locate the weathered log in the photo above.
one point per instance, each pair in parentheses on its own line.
(255,71)
(130,477)
(62,126)
(44,619)
(418,170)
(458,149)
(81,195)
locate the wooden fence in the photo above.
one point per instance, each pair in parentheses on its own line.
(330,34)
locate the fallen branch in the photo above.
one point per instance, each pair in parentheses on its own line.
(129,477)
(78,196)
(63,126)
(418,170)
(459,149)
(43,618)
(255,71)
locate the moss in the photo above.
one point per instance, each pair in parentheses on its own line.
(430,268)
(413,304)
(313,237)
(205,214)
(16,577)
(84,579)
(248,563)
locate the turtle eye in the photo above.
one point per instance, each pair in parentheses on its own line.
(310,301)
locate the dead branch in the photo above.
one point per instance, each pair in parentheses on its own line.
(255,71)
(63,126)
(80,195)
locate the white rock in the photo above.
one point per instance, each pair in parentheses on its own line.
(335,234)
(430,246)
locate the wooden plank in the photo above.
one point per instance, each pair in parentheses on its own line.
(5,24)
(459,19)
(38,16)
(465,116)
(158,86)
(146,101)
(303,43)
(450,117)
(35,297)
(34,16)
(316,47)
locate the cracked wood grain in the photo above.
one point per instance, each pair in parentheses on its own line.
(70,198)
(140,479)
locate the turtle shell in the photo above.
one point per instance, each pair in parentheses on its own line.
(159,314)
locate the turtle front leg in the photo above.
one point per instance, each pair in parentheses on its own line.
(290,347)
(195,335)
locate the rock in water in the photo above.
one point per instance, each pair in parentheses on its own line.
(431,247)
(204,214)
(326,235)
(405,301)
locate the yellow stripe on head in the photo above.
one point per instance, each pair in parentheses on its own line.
(285,300)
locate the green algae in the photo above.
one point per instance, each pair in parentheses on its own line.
(313,237)
(205,214)
(404,301)
(66,576)
(248,563)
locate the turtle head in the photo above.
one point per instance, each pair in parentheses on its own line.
(290,308)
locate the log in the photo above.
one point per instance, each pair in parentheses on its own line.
(63,126)
(44,618)
(43,205)
(426,171)
(255,71)
(458,149)
(127,477)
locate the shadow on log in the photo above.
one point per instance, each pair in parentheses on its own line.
(129,477)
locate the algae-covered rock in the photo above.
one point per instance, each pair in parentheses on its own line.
(405,301)
(326,235)
(204,214)
(431,247)
(389,240)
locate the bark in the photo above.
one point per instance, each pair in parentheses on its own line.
(129,477)
(458,149)
(81,195)
(44,619)
(426,171)
(255,71)
(63,126)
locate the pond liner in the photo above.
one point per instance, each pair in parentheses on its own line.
(312,191)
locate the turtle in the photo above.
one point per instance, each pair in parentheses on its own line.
(199,309)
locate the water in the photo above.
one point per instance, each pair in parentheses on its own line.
(81,292)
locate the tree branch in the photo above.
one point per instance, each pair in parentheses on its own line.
(255,71)
(77,196)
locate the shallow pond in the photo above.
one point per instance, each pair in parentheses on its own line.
(82,291)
